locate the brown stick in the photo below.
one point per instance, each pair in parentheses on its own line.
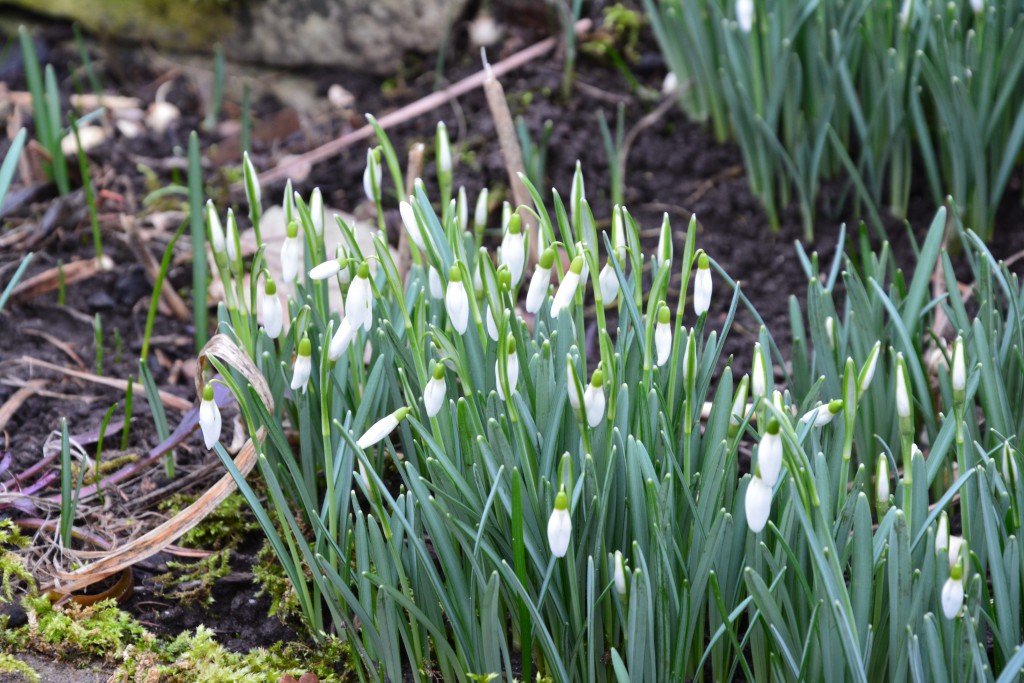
(11,405)
(417,108)
(49,280)
(513,156)
(169,400)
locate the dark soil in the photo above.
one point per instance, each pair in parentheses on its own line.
(674,167)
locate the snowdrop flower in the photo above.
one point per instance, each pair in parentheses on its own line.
(758,504)
(585,271)
(745,15)
(341,339)
(702,287)
(209,417)
(769,453)
(511,369)
(540,281)
(1009,465)
(758,375)
(560,525)
(327,269)
(619,234)
(359,302)
(619,574)
(434,282)
(303,366)
(435,391)
(955,543)
(663,335)
(952,598)
(291,253)
(492,327)
(216,232)
(412,226)
(942,534)
(513,249)
(462,210)
(316,209)
(270,303)
(567,287)
(372,175)
(738,413)
(882,489)
(959,374)
(824,414)
(251,183)
(593,399)
(867,373)
(444,150)
(663,255)
(456,301)
(977,6)
(609,283)
(480,212)
(902,397)
(575,396)
(380,429)
(234,249)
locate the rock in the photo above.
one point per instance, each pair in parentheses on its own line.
(369,35)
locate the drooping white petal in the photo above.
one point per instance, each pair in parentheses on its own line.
(619,574)
(952,597)
(513,255)
(745,15)
(412,226)
(538,290)
(609,283)
(433,396)
(662,342)
(758,504)
(492,327)
(902,398)
(594,402)
(434,282)
(512,370)
(300,372)
(702,291)
(359,303)
(559,532)
(942,534)
(769,458)
(273,315)
(378,431)
(575,399)
(565,293)
(456,302)
(758,375)
(291,258)
(325,270)
(341,339)
(209,422)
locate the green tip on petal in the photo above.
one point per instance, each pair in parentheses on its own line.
(364,270)
(511,344)
(547,258)
(270,287)
(597,379)
(956,572)
(515,226)
(401,413)
(438,371)
(208,392)
(561,501)
(293,229)
(504,277)
(305,348)
(577,264)
(455,273)
(835,406)
(702,261)
(664,315)
(773,426)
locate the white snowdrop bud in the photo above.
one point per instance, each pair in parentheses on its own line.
(942,534)
(511,369)
(867,373)
(480,212)
(738,412)
(567,287)
(412,226)
(560,526)
(513,249)
(209,418)
(959,374)
(1009,466)
(435,391)
(382,428)
(702,286)
(492,327)
(902,397)
(952,597)
(303,366)
(434,283)
(215,231)
(955,543)
(233,246)
(758,504)
(769,453)
(359,302)
(462,209)
(823,414)
(372,176)
(444,150)
(456,301)
(593,399)
(578,193)
(619,574)
(663,254)
(270,303)
(291,253)
(745,15)
(978,6)
(575,396)
(830,332)
(663,335)
(325,270)
(540,281)
(254,193)
(758,375)
(316,210)
(882,485)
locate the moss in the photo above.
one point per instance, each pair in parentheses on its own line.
(99,631)
(10,665)
(270,577)
(225,527)
(194,581)
(12,566)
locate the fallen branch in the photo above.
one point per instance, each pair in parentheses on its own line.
(49,280)
(168,399)
(417,108)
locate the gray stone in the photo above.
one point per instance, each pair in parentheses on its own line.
(368,35)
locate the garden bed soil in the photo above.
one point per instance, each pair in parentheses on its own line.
(674,167)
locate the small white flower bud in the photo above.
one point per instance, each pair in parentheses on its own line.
(540,281)
(412,226)
(619,574)
(456,300)
(593,399)
(745,15)
(952,597)
(567,287)
(560,526)
(435,391)
(303,366)
(702,287)
(663,336)
(769,454)
(209,418)
(382,428)
(291,253)
(758,504)
(273,315)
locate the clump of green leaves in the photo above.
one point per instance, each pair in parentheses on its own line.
(10,665)
(12,566)
(99,631)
